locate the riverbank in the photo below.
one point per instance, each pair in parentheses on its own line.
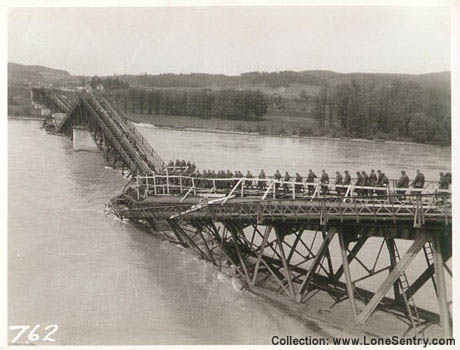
(269,125)
(32,117)
(291,127)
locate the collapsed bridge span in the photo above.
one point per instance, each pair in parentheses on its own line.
(289,238)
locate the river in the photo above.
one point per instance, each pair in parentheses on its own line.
(254,152)
(103,281)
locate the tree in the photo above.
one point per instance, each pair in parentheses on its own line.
(422,128)
(11,100)
(321,106)
(341,100)
(303,94)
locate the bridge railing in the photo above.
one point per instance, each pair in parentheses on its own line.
(118,132)
(64,100)
(131,131)
(183,185)
(58,102)
(142,141)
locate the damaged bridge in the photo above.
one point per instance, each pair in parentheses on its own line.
(278,236)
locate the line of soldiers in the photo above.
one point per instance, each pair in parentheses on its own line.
(181,167)
(202,181)
(373,179)
(363,179)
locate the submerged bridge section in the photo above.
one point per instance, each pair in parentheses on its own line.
(290,239)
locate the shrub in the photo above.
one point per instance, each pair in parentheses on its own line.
(261,128)
(303,131)
(12,101)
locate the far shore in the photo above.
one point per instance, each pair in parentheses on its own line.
(195,124)
(265,134)
(26,117)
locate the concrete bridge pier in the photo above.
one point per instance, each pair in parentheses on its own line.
(83,140)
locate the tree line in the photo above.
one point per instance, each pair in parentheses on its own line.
(226,103)
(402,110)
(202,80)
(108,83)
(279,79)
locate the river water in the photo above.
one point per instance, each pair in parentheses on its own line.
(253,152)
(103,281)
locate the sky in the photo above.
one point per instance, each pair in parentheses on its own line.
(231,40)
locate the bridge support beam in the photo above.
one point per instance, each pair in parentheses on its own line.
(316,263)
(393,277)
(441,287)
(348,280)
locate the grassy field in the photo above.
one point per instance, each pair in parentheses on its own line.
(274,125)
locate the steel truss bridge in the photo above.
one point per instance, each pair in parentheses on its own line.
(286,238)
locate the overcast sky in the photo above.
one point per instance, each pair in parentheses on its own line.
(231,40)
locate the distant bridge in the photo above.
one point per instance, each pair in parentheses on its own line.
(277,234)
(121,143)
(51,98)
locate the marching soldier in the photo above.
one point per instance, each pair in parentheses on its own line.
(198,181)
(286,180)
(311,179)
(347,179)
(419,180)
(379,178)
(359,182)
(443,182)
(261,184)
(449,178)
(383,183)
(338,182)
(249,182)
(277,177)
(403,182)
(372,178)
(365,182)
(324,182)
(298,187)
(229,175)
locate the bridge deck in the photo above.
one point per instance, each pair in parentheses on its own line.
(413,211)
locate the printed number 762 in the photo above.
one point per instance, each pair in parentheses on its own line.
(32,336)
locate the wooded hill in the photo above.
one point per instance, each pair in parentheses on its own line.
(412,107)
(21,74)
(283,79)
